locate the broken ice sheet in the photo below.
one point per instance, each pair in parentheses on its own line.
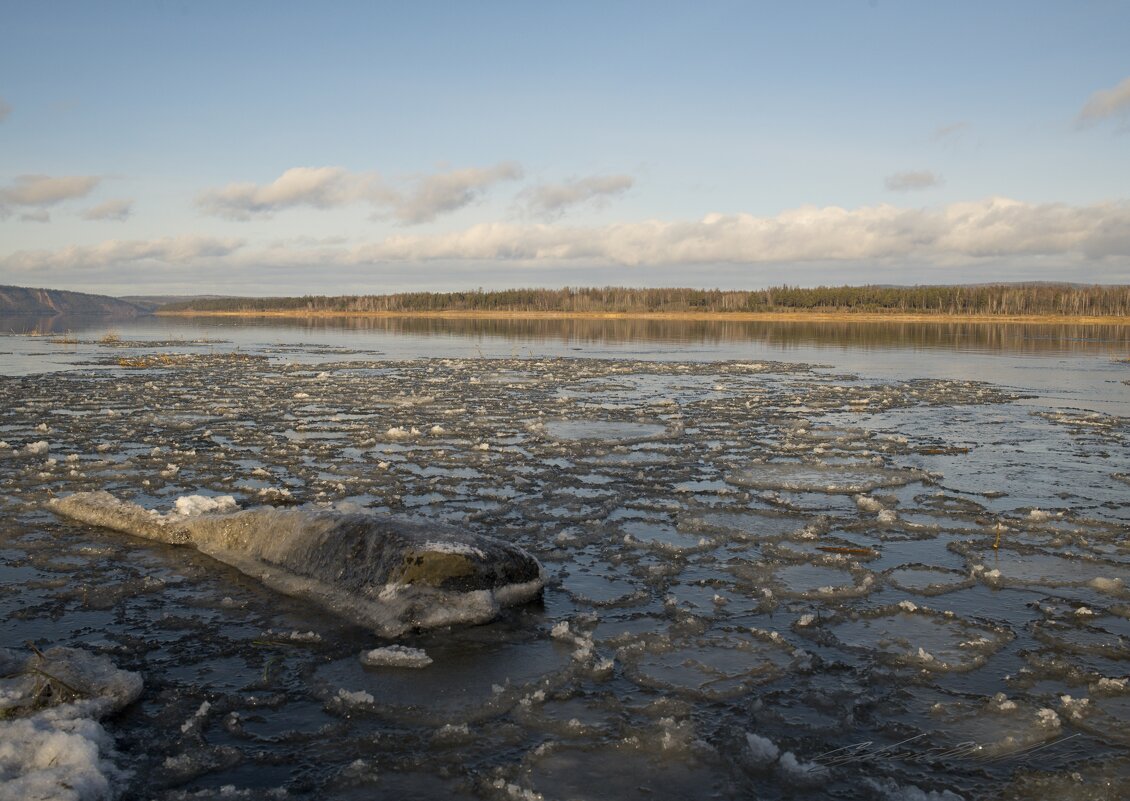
(606,431)
(914,637)
(818,477)
(672,622)
(709,667)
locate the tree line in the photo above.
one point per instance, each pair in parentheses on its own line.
(988,299)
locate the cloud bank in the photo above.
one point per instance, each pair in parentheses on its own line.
(914,179)
(170,250)
(993,228)
(423,199)
(41,191)
(551,200)
(1106,103)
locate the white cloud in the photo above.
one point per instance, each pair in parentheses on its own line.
(551,200)
(433,195)
(911,180)
(319,187)
(5,110)
(993,227)
(961,233)
(425,198)
(41,191)
(110,210)
(116,252)
(1107,103)
(39,216)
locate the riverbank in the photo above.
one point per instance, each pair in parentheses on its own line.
(790,316)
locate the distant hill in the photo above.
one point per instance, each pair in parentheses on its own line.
(18,300)
(153,302)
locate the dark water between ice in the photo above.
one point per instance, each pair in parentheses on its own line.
(765,542)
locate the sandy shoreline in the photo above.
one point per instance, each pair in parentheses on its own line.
(799,316)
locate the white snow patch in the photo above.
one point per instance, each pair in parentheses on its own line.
(358,698)
(797,771)
(396,656)
(188,505)
(61,752)
(1107,585)
(868,504)
(461,548)
(762,751)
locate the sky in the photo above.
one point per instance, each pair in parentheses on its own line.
(270,148)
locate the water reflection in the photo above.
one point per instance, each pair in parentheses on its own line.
(965,336)
(44,325)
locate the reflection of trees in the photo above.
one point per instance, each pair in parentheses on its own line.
(950,335)
(1012,337)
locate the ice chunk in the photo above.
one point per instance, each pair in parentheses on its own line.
(712,668)
(920,639)
(396,656)
(602,430)
(355,698)
(61,751)
(761,751)
(868,504)
(798,772)
(382,572)
(204,504)
(818,477)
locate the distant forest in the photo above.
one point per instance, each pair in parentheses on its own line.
(1003,299)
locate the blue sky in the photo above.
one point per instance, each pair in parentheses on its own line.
(267,148)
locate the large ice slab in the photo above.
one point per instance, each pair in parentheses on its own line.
(388,574)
